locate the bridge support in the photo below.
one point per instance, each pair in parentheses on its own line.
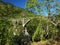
(24,22)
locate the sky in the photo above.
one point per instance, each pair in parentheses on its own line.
(18,3)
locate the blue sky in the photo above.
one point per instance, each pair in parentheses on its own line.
(18,3)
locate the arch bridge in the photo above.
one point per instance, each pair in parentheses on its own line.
(24,23)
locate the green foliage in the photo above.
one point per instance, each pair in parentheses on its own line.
(31,3)
(39,7)
(6,31)
(4,26)
(21,39)
(32,25)
(42,6)
(40,32)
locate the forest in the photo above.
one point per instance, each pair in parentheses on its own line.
(30,26)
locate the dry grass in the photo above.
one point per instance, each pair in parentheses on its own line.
(46,43)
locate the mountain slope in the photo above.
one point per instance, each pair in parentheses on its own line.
(9,10)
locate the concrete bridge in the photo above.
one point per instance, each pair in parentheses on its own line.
(24,22)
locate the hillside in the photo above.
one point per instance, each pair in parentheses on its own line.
(9,10)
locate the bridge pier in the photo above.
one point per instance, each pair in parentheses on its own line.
(24,22)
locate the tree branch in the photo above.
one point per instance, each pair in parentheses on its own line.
(55,24)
